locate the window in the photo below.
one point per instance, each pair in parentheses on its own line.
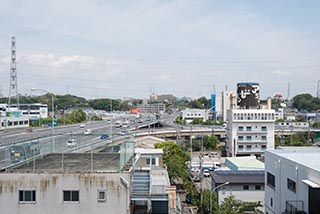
(291,185)
(258,187)
(240,138)
(263,146)
(248,146)
(240,128)
(249,138)
(102,195)
(245,187)
(27,195)
(271,180)
(71,195)
(271,202)
(240,147)
(249,128)
(263,128)
(153,161)
(263,138)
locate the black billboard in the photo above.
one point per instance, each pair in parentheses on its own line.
(248,95)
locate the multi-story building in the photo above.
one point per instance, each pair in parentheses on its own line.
(33,111)
(155,108)
(98,181)
(10,119)
(292,177)
(250,129)
(228,101)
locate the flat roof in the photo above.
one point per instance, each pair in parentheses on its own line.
(248,162)
(72,162)
(307,156)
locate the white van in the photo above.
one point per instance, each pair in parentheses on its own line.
(72,142)
(87,132)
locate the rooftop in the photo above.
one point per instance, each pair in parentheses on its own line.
(238,177)
(307,156)
(72,162)
(245,163)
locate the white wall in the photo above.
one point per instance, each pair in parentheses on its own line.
(49,193)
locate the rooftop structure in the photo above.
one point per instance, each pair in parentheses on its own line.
(244,163)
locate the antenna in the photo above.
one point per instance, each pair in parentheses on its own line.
(13,88)
(318,89)
(288,96)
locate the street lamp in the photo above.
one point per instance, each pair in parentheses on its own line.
(214,189)
(52,123)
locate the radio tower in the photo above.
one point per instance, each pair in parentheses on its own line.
(13,89)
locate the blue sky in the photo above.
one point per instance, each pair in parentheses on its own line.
(95,48)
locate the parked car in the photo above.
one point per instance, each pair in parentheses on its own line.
(104,137)
(189,199)
(72,142)
(206,172)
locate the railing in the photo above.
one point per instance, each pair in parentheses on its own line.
(294,207)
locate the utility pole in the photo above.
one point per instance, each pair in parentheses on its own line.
(201,176)
(318,89)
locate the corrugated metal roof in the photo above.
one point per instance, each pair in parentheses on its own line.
(238,177)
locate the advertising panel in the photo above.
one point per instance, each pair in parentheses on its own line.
(248,95)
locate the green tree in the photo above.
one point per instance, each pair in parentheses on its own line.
(231,205)
(210,142)
(77,116)
(174,158)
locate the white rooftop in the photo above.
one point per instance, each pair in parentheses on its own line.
(307,156)
(148,151)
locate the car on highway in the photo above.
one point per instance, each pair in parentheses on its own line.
(72,142)
(87,132)
(104,137)
(82,125)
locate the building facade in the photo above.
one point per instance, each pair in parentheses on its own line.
(292,177)
(191,114)
(250,131)
(12,119)
(34,111)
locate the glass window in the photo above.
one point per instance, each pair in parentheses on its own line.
(27,195)
(249,138)
(249,128)
(263,128)
(102,195)
(248,146)
(271,180)
(263,138)
(240,138)
(245,187)
(240,128)
(291,185)
(71,195)
(258,187)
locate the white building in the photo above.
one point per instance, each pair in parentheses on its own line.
(33,111)
(191,114)
(292,180)
(250,131)
(12,119)
(228,98)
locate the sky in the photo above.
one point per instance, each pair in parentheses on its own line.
(131,48)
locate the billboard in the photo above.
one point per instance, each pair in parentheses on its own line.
(248,95)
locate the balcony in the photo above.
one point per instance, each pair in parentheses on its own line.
(251,131)
(294,207)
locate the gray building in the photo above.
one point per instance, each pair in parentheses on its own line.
(292,180)
(245,185)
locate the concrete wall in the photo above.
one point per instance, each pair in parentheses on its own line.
(49,193)
(251,195)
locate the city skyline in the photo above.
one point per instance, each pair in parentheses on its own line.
(122,49)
